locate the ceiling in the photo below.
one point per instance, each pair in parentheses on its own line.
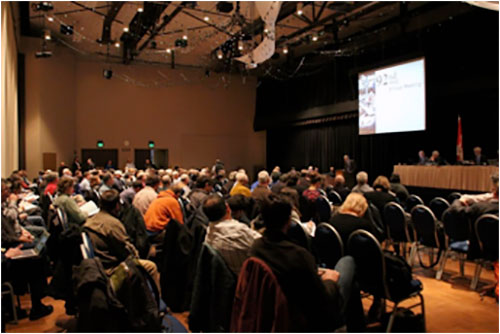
(336,28)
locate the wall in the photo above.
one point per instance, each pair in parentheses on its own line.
(10,142)
(70,105)
(50,105)
(197,123)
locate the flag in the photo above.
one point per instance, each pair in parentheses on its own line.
(460,149)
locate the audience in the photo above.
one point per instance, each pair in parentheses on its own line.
(204,186)
(51,179)
(317,299)
(110,239)
(107,183)
(262,189)
(381,194)
(399,189)
(127,195)
(241,185)
(147,195)
(163,209)
(362,186)
(231,238)
(340,187)
(67,203)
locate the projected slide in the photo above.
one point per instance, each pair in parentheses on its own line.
(392,98)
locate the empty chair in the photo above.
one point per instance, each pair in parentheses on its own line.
(457,233)
(486,230)
(428,234)
(377,278)
(328,245)
(438,206)
(412,201)
(397,229)
(334,197)
(453,196)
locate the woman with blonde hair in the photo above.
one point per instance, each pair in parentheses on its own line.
(351,217)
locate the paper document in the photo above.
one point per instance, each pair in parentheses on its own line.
(90,208)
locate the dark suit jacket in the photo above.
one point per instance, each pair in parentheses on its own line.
(295,268)
(482,160)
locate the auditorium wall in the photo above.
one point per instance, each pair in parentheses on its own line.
(9,93)
(70,105)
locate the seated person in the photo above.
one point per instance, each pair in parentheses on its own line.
(67,203)
(262,189)
(107,183)
(479,159)
(350,218)
(340,187)
(381,195)
(51,179)
(362,186)
(241,185)
(110,239)
(204,186)
(318,300)
(241,208)
(127,195)
(26,271)
(147,195)
(399,189)
(163,209)
(229,237)
(436,159)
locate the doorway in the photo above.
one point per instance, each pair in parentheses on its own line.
(100,156)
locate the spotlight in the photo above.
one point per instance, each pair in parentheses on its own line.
(44,6)
(206,18)
(66,29)
(240,45)
(50,18)
(266,30)
(285,50)
(299,9)
(140,9)
(107,73)
(117,44)
(43,54)
(46,35)
(315,38)
(185,37)
(125,29)
(169,50)
(219,54)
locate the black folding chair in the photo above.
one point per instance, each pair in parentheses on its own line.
(457,233)
(299,235)
(334,197)
(397,229)
(328,245)
(486,230)
(372,273)
(428,235)
(412,201)
(453,196)
(438,206)
(324,209)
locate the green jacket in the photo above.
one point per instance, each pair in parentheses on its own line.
(68,204)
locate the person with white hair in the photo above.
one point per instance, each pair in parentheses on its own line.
(262,190)
(241,185)
(67,172)
(362,186)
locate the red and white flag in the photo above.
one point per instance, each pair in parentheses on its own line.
(460,149)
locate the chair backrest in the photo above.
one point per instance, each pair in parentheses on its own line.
(438,206)
(456,227)
(328,245)
(259,303)
(370,262)
(87,247)
(63,218)
(453,196)
(412,201)
(324,209)
(334,197)
(299,235)
(395,222)
(486,228)
(425,225)
(374,216)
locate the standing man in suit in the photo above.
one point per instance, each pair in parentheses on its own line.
(349,171)
(479,159)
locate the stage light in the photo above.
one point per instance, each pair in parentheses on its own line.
(299,9)
(46,35)
(285,50)
(169,50)
(219,53)
(140,9)
(117,44)
(315,38)
(240,45)
(206,18)
(125,29)
(50,18)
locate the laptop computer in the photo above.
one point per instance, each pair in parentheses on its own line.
(35,251)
